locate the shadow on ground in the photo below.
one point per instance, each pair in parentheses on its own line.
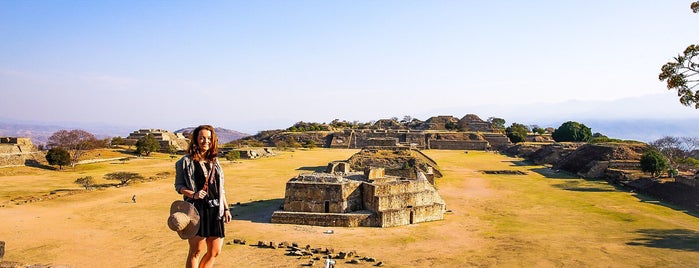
(316,168)
(678,239)
(669,195)
(256,211)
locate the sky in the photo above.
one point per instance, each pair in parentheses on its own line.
(258,65)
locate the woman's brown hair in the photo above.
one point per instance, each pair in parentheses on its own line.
(194,150)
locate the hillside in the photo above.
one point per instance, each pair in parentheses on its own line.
(224,135)
(39,133)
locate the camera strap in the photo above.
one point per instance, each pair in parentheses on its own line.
(210,177)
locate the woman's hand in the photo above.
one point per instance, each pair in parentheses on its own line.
(227,216)
(199,194)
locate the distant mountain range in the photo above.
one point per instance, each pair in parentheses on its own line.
(39,133)
(224,135)
(644,130)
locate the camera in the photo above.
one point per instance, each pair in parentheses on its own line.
(213,203)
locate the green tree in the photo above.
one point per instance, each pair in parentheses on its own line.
(653,162)
(58,156)
(538,130)
(171,149)
(118,141)
(572,131)
(310,144)
(123,177)
(76,141)
(147,144)
(516,132)
(682,74)
(498,123)
(233,155)
(86,182)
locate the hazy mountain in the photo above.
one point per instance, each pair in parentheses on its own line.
(39,132)
(224,135)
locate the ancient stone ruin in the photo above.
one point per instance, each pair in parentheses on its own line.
(439,132)
(342,196)
(19,152)
(166,138)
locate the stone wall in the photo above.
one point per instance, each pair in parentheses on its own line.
(497,141)
(19,152)
(458,145)
(354,200)
(322,197)
(355,219)
(689,181)
(625,164)
(164,137)
(411,215)
(419,139)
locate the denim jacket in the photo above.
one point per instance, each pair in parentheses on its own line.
(184,178)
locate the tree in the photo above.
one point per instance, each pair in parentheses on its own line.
(58,156)
(147,144)
(498,123)
(76,141)
(572,131)
(677,150)
(668,146)
(86,182)
(406,120)
(653,162)
(682,74)
(118,140)
(123,177)
(538,130)
(517,132)
(233,155)
(310,144)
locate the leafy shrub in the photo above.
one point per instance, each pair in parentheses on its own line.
(653,162)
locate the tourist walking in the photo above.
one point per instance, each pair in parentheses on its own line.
(199,178)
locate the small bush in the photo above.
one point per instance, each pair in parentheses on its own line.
(233,155)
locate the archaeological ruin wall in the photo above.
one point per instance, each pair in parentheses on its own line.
(166,138)
(342,197)
(15,151)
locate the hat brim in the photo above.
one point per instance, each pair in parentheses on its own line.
(191,212)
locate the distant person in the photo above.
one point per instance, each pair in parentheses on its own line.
(133,198)
(199,177)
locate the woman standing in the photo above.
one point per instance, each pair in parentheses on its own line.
(199,177)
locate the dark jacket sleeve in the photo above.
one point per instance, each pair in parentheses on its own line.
(180,181)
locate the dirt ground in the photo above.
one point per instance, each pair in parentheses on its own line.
(540,219)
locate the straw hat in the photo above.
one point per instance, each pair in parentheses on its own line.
(184,219)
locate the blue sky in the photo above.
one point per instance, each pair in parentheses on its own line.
(256,65)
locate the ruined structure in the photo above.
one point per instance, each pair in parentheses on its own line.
(19,152)
(439,132)
(248,153)
(396,161)
(449,140)
(166,138)
(341,196)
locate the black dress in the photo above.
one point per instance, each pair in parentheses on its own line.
(210,224)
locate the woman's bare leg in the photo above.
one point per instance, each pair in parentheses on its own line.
(197,244)
(213,248)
